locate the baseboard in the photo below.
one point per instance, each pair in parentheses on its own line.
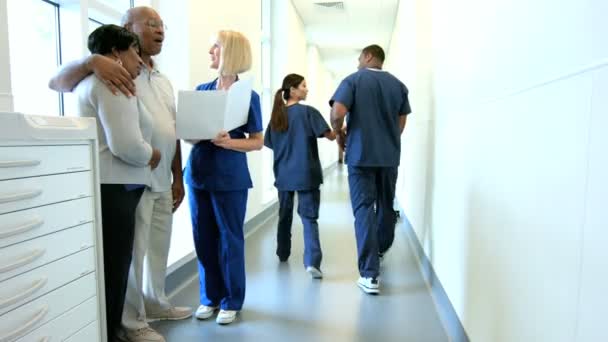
(182,272)
(449,318)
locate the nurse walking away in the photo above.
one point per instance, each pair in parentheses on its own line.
(218,179)
(292,135)
(377,106)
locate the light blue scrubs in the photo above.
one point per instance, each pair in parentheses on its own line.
(297,168)
(218,181)
(375,99)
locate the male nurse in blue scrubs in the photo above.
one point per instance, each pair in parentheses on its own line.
(377,106)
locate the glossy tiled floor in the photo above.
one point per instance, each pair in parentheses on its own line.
(284,304)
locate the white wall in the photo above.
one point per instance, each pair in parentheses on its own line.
(193,26)
(321,86)
(516,166)
(6,102)
(185,59)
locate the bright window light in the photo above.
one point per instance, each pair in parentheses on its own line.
(34,55)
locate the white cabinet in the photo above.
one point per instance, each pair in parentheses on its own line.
(51,258)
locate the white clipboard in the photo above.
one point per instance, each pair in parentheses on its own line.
(201,115)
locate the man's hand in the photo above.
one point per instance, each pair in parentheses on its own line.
(178,193)
(113,75)
(155,159)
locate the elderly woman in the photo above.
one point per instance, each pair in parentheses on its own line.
(125,160)
(218,179)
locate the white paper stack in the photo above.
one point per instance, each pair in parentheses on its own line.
(202,115)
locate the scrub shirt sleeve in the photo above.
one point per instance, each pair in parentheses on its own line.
(318,124)
(345,94)
(268,138)
(405,106)
(254,121)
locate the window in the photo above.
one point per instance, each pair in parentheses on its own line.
(35,54)
(118,5)
(94,24)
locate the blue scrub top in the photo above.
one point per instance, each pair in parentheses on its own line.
(214,168)
(296,154)
(375,99)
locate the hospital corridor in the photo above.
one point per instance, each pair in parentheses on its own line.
(303,170)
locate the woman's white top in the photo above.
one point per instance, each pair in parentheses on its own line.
(124,130)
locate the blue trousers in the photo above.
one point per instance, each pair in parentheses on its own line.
(372,190)
(308,209)
(217,224)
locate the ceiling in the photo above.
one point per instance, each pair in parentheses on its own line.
(340,29)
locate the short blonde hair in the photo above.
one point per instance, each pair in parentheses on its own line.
(235,57)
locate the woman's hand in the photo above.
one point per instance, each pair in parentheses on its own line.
(222,139)
(155,159)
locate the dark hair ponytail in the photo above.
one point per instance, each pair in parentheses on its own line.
(278,120)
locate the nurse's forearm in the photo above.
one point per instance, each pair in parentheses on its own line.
(255,142)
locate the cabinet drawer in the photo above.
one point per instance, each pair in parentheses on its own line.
(19,194)
(25,256)
(30,316)
(29,161)
(29,224)
(89,333)
(67,324)
(31,285)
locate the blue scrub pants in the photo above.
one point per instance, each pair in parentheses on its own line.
(308,209)
(372,187)
(217,224)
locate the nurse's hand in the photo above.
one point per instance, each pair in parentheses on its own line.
(222,139)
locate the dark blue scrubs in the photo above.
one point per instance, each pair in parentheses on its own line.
(297,168)
(375,99)
(218,181)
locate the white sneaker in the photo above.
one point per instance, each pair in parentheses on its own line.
(314,272)
(171,314)
(369,285)
(204,311)
(146,334)
(226,316)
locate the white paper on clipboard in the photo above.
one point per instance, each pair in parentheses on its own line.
(202,115)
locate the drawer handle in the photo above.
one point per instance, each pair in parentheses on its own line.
(19,163)
(21,228)
(27,326)
(18,298)
(20,196)
(23,261)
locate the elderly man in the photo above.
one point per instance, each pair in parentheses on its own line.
(145,298)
